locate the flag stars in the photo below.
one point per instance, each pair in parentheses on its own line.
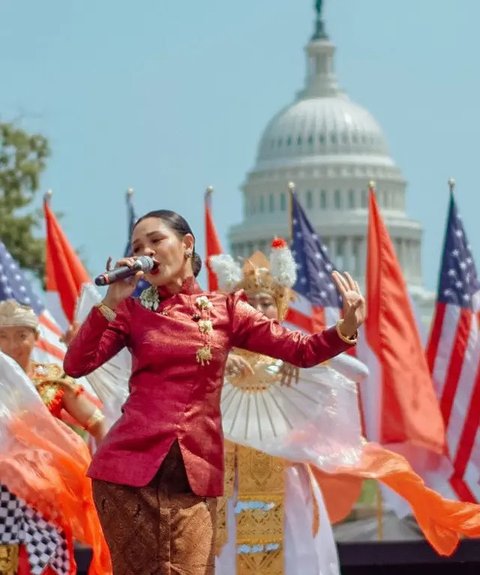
(452,273)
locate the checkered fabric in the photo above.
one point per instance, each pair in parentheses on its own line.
(45,544)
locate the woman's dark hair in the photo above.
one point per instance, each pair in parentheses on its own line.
(181,227)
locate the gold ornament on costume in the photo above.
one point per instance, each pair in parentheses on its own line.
(51,382)
(275,276)
(14,314)
(9,559)
(205,327)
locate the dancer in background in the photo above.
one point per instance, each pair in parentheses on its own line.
(45,499)
(272,518)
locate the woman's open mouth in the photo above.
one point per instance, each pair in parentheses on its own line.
(156,268)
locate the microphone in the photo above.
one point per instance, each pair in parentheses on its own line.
(142,264)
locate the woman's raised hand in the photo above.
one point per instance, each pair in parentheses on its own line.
(121,289)
(354,309)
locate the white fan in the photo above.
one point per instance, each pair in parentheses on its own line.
(315,419)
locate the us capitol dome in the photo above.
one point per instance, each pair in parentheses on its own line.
(331,148)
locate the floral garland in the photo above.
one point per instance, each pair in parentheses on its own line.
(149,298)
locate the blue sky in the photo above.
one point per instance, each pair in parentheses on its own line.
(169,97)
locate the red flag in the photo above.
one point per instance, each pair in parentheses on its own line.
(212,242)
(65,273)
(401,407)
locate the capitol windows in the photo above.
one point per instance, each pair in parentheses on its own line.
(323,199)
(271,203)
(262,204)
(299,141)
(337,200)
(309,199)
(355,256)
(321,138)
(351,199)
(364,198)
(310,140)
(340,259)
(345,138)
(283,202)
(333,138)
(289,141)
(279,142)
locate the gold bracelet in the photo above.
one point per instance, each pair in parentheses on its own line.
(106,311)
(96,417)
(351,340)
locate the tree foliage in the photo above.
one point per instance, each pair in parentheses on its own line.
(22,160)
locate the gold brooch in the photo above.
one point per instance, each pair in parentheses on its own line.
(205,327)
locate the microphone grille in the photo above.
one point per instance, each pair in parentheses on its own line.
(146,263)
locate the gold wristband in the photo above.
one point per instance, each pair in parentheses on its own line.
(96,417)
(107,312)
(351,340)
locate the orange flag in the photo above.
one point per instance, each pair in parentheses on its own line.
(399,400)
(212,241)
(65,273)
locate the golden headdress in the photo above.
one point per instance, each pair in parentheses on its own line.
(275,276)
(14,314)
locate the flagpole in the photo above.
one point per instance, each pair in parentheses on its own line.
(291,191)
(451,185)
(129,195)
(47,196)
(379,508)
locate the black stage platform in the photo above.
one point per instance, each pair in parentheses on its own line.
(386,558)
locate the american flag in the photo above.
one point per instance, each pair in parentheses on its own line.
(132,219)
(453,354)
(317,303)
(14,285)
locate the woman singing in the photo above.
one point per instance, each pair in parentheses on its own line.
(158,472)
